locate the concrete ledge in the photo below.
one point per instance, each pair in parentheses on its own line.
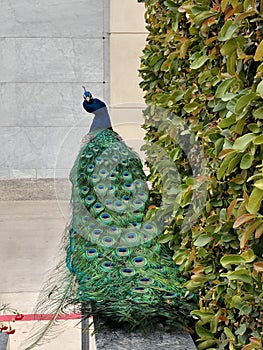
(4,341)
(32,189)
(156,340)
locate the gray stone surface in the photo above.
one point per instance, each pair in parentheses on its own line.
(30,239)
(157,340)
(48,50)
(32,189)
(45,105)
(27,18)
(29,151)
(4,343)
(51,60)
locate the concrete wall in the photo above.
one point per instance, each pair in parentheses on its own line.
(127,40)
(48,50)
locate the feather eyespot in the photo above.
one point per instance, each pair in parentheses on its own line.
(122,251)
(107,266)
(86,219)
(139,261)
(140,290)
(170,295)
(97,232)
(145,280)
(90,168)
(84,190)
(128,271)
(91,253)
(108,241)
(89,155)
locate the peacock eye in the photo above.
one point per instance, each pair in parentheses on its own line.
(97,232)
(122,250)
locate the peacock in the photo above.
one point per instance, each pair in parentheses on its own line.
(115,266)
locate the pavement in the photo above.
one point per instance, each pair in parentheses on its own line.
(31,230)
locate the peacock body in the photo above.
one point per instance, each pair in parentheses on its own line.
(121,269)
(116,268)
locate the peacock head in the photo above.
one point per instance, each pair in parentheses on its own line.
(87,95)
(90,104)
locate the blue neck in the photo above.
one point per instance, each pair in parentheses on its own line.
(101,120)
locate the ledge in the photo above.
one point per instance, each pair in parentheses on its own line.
(156,340)
(4,341)
(34,189)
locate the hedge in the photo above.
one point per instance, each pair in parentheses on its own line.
(201,71)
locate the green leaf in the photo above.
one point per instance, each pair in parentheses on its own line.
(231,45)
(247,233)
(157,65)
(231,105)
(171,5)
(202,240)
(239,275)
(206,344)
(244,101)
(199,19)
(224,165)
(258,140)
(255,200)
(153,60)
(258,113)
(203,333)
(241,330)
(224,4)
(228,97)
(225,152)
(243,142)
(248,255)
(259,184)
(227,30)
(260,88)
(259,52)
(199,62)
(190,107)
(246,161)
(165,238)
(240,126)
(236,300)
(229,334)
(259,231)
(234,162)
(224,87)
(232,260)
(254,128)
(204,315)
(214,321)
(231,63)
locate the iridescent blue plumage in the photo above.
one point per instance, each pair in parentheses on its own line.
(122,271)
(116,267)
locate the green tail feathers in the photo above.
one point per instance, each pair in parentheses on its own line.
(121,269)
(115,266)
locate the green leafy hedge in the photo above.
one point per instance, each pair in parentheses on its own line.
(203,64)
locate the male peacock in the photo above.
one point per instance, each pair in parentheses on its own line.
(116,267)
(121,270)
